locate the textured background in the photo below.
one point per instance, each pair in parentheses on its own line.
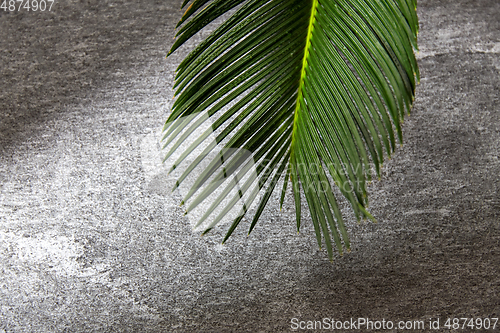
(91,240)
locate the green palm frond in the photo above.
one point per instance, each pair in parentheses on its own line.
(315,90)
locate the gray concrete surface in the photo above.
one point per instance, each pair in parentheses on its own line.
(90,240)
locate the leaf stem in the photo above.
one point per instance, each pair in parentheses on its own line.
(310,29)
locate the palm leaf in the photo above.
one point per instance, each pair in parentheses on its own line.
(315,90)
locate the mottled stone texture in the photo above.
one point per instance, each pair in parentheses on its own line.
(92,241)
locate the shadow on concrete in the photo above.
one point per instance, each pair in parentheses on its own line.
(49,60)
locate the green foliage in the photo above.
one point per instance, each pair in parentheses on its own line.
(316,90)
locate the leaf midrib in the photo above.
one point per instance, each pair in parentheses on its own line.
(307,47)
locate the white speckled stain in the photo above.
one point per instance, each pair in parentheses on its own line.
(56,253)
(442,211)
(151,159)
